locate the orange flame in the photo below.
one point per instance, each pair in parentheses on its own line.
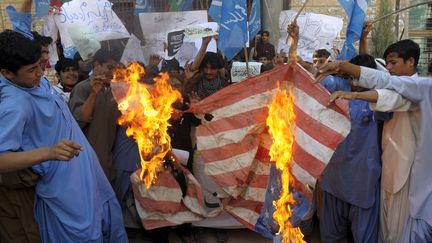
(146,112)
(280,121)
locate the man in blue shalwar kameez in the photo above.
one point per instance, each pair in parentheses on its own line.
(351,180)
(74,200)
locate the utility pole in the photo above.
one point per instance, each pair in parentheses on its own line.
(270,11)
(397,19)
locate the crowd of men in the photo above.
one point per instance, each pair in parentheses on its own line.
(65,163)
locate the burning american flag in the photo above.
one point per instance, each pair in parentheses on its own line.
(235,144)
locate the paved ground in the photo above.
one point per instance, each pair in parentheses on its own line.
(234,236)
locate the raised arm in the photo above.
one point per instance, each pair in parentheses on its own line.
(363,47)
(411,88)
(201,53)
(369,96)
(293,32)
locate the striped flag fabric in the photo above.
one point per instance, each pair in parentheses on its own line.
(163,204)
(235,143)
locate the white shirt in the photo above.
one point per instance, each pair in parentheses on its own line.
(417,90)
(64,95)
(399,138)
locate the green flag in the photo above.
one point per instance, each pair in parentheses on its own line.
(173,6)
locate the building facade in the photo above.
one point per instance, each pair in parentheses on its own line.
(415,24)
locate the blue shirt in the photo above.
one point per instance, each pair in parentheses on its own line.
(353,173)
(21,22)
(73,191)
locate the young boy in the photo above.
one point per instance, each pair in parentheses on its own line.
(67,75)
(418,90)
(74,201)
(93,106)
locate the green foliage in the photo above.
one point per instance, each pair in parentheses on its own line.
(383,33)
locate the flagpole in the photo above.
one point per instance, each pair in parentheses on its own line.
(403,32)
(247,61)
(247,42)
(295,18)
(400,10)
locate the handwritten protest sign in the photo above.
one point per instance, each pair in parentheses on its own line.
(239,71)
(84,40)
(317,31)
(133,51)
(156,26)
(96,14)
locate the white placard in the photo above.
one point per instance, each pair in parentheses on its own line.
(197,31)
(96,14)
(133,51)
(317,31)
(84,39)
(156,26)
(50,29)
(239,72)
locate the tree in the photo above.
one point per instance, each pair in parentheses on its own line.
(383,33)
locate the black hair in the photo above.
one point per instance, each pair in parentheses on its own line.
(42,40)
(265,32)
(267,55)
(364,60)
(213,60)
(321,53)
(405,49)
(105,55)
(64,63)
(17,51)
(77,57)
(169,65)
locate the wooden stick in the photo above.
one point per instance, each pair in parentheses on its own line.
(301,9)
(398,11)
(295,18)
(403,32)
(247,61)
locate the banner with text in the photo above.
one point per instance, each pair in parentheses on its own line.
(317,31)
(96,14)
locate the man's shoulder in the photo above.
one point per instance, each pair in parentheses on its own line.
(82,87)
(13,94)
(13,100)
(83,84)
